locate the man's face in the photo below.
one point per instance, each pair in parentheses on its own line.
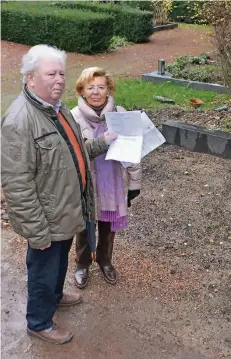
(47,82)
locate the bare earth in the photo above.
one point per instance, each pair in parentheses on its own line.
(172,300)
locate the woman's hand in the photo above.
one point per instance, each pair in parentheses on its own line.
(109,137)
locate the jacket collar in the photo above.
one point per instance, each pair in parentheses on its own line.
(39,103)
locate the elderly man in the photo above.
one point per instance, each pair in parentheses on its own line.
(47,184)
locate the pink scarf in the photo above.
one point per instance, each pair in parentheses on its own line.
(109,177)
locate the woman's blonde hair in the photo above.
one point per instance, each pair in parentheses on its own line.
(89,74)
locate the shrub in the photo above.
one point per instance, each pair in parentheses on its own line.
(208,73)
(186,11)
(117,41)
(142,5)
(217,14)
(33,23)
(176,67)
(132,23)
(161,11)
(195,68)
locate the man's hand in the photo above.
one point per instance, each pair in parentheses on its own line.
(42,248)
(109,137)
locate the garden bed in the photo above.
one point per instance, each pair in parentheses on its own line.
(199,72)
(203,68)
(210,119)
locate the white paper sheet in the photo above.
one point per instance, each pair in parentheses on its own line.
(152,138)
(137,136)
(127,123)
(126,148)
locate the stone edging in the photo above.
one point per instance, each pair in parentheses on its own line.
(156,78)
(169,26)
(197,139)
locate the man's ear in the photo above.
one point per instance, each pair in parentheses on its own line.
(30,79)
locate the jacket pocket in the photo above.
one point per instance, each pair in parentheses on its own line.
(50,152)
(49,204)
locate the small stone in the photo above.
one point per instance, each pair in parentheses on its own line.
(228,342)
(5,217)
(182,254)
(173,271)
(206,265)
(7,311)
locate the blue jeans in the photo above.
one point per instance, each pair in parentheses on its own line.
(46,275)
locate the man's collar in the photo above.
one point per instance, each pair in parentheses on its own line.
(56,107)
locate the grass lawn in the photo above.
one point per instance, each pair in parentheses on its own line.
(137,94)
(196,27)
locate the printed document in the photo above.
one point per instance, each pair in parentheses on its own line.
(137,136)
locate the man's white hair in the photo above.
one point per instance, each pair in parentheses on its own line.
(30,60)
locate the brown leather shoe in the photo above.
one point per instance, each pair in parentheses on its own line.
(81,277)
(54,334)
(109,273)
(69,300)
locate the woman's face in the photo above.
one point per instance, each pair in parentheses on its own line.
(96,91)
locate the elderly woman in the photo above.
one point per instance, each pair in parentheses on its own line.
(95,89)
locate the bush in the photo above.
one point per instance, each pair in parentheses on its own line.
(186,11)
(34,23)
(208,73)
(132,23)
(142,5)
(217,14)
(195,68)
(117,41)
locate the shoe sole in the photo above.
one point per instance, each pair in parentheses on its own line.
(36,335)
(108,281)
(69,305)
(81,286)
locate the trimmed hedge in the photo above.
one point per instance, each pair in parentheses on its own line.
(132,23)
(33,23)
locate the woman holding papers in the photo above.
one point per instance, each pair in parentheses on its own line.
(95,90)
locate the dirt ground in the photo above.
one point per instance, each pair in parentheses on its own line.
(172,299)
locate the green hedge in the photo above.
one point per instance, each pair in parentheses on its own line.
(185,11)
(132,23)
(34,23)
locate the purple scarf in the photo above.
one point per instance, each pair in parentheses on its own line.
(111,197)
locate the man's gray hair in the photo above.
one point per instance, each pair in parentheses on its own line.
(30,60)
